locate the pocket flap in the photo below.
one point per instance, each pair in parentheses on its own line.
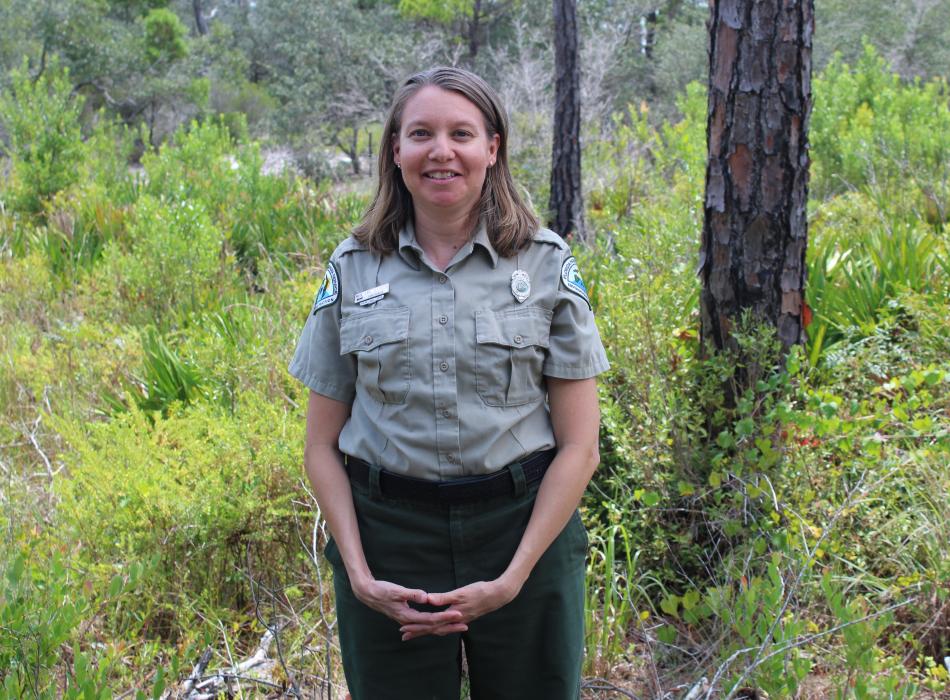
(370,329)
(515,328)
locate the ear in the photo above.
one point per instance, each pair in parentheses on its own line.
(395,147)
(493,144)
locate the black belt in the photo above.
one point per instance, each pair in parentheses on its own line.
(466,489)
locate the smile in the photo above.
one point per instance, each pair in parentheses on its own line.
(441,175)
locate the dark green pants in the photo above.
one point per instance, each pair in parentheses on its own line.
(531,648)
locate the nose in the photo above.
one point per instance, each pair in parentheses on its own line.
(441,148)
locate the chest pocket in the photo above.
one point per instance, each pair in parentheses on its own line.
(380,341)
(510,347)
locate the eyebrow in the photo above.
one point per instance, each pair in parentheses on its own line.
(454,125)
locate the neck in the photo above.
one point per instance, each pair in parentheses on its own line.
(441,237)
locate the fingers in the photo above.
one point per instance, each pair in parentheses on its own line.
(459,595)
(440,599)
(409,616)
(411,595)
(414,631)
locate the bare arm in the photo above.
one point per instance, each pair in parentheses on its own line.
(575,415)
(576,419)
(324,466)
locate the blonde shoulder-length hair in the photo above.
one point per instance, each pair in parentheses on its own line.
(508,220)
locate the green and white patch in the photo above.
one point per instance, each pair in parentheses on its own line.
(571,277)
(329,290)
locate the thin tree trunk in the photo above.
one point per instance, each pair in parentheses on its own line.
(473,29)
(754,230)
(355,150)
(369,150)
(648,40)
(200,21)
(566,205)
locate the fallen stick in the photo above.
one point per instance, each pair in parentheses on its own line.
(199,686)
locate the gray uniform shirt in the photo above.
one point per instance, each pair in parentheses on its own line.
(445,370)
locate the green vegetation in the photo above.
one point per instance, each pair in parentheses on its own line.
(153,503)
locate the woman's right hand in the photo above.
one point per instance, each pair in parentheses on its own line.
(392,600)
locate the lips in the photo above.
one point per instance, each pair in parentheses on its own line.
(441,175)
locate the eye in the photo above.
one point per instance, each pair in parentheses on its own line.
(463,134)
(418,133)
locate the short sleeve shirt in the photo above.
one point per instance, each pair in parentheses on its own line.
(445,371)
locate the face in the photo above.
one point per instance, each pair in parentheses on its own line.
(443,150)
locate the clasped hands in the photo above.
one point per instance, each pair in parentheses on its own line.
(465,604)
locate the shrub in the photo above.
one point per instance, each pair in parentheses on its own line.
(43,610)
(164,35)
(862,259)
(42,118)
(191,491)
(199,165)
(170,265)
(869,128)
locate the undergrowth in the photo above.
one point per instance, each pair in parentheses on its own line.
(153,506)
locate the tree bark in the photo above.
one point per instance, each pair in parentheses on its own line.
(648,40)
(473,29)
(755,229)
(566,204)
(200,21)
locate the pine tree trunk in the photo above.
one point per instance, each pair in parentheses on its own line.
(754,230)
(200,22)
(565,204)
(473,29)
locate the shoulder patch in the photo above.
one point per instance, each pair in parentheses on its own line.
(329,290)
(571,277)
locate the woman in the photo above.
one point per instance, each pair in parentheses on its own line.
(453,422)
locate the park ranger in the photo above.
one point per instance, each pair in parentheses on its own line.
(452,425)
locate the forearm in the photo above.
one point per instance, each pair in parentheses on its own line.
(558,497)
(324,466)
(576,420)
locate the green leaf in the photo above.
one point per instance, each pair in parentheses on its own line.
(159,686)
(745,427)
(690,599)
(725,440)
(670,605)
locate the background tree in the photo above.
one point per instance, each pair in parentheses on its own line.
(913,35)
(470,22)
(566,205)
(754,229)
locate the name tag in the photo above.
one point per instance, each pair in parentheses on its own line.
(371,296)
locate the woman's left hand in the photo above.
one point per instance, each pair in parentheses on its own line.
(473,601)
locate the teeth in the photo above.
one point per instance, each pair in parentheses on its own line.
(441,175)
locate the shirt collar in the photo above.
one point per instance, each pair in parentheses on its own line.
(411,251)
(481,238)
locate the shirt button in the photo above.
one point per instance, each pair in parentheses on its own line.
(446,413)
(519,340)
(443,320)
(444,366)
(367,340)
(450,458)
(443,279)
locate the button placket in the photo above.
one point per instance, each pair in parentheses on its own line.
(445,390)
